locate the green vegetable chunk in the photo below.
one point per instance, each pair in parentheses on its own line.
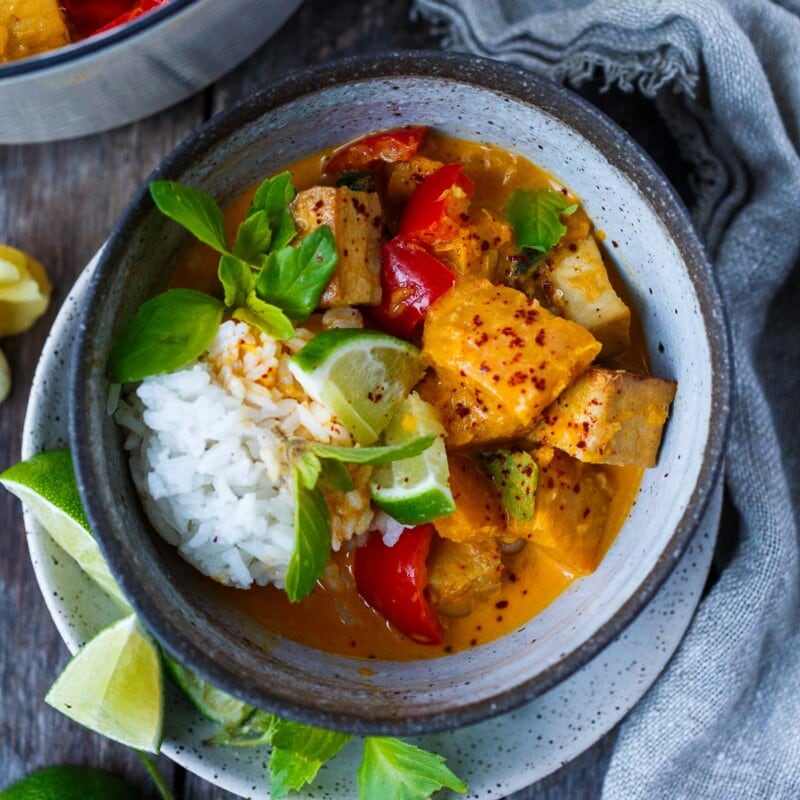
(253,238)
(401,771)
(515,475)
(264,316)
(535,217)
(237,279)
(273,198)
(166,333)
(195,210)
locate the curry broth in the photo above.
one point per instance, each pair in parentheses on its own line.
(334,618)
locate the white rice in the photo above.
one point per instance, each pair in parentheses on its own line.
(209,453)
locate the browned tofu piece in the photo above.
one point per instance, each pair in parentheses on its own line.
(609,417)
(510,357)
(29,27)
(405,176)
(461,573)
(474,250)
(356,220)
(573,510)
(479,514)
(575,282)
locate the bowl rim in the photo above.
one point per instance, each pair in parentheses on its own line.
(74,51)
(601,132)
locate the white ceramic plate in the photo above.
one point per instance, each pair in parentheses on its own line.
(496,757)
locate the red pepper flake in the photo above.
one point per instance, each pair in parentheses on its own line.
(461,410)
(517,378)
(586,512)
(540,337)
(582,444)
(477,321)
(540,384)
(527,315)
(501,604)
(481,339)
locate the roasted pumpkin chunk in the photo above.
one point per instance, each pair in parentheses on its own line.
(459,573)
(28,27)
(573,503)
(405,176)
(509,356)
(479,513)
(575,283)
(609,417)
(356,220)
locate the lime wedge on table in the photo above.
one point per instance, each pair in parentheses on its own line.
(212,703)
(70,783)
(114,686)
(46,485)
(414,490)
(359,375)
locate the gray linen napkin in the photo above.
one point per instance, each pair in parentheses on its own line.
(723,721)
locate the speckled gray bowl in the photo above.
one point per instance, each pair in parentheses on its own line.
(666,273)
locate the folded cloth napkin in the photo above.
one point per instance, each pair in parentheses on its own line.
(723,721)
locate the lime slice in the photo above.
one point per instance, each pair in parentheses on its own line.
(70,783)
(359,375)
(414,490)
(212,703)
(114,686)
(46,485)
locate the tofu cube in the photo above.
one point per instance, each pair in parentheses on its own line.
(356,220)
(573,508)
(479,514)
(575,282)
(509,356)
(609,417)
(461,573)
(29,27)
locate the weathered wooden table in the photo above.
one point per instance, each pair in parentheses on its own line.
(59,202)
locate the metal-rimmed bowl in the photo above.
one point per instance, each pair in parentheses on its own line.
(132,71)
(665,271)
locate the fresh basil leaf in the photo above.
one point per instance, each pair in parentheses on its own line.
(312,546)
(298,753)
(535,217)
(334,475)
(166,333)
(237,280)
(253,238)
(308,468)
(515,475)
(273,198)
(294,278)
(195,210)
(264,316)
(255,731)
(373,455)
(391,768)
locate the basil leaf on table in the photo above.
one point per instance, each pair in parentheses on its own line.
(236,278)
(373,455)
(273,197)
(312,546)
(396,769)
(166,333)
(253,238)
(265,317)
(195,210)
(294,278)
(535,217)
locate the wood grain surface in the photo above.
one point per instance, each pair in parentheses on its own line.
(59,202)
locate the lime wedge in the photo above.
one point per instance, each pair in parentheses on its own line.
(114,686)
(70,783)
(46,485)
(414,490)
(212,703)
(359,375)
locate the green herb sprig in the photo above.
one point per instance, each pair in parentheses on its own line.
(536,216)
(266,282)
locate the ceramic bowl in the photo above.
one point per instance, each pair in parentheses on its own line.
(666,274)
(133,71)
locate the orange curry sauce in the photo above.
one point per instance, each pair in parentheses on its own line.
(334,618)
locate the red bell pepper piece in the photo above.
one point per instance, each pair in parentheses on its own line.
(88,16)
(140,8)
(390,146)
(393,581)
(412,280)
(433,212)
